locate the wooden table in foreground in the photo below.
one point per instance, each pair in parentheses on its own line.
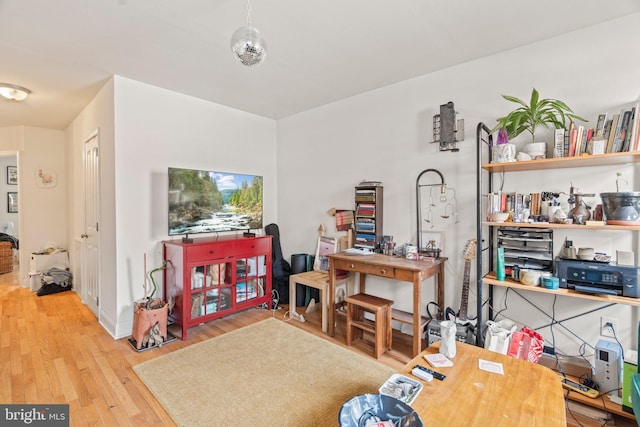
(390,267)
(527,394)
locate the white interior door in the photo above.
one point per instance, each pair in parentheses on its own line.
(91,237)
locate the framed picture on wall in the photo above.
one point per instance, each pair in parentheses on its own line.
(12,202)
(12,175)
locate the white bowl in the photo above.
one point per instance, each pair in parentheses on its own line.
(536,148)
(530,277)
(499,216)
(586,253)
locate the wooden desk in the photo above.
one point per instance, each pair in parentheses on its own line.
(390,267)
(526,395)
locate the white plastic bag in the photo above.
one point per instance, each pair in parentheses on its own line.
(499,335)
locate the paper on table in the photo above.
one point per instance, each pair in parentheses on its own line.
(438,360)
(488,366)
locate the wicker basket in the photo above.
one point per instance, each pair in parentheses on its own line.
(6,257)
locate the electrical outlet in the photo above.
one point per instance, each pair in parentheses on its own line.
(605,329)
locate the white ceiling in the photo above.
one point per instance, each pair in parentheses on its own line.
(318,51)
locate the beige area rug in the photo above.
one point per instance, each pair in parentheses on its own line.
(266,374)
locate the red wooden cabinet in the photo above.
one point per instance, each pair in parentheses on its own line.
(210,278)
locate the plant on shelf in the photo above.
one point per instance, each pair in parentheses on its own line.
(538,112)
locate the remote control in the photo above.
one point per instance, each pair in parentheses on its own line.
(421,374)
(437,375)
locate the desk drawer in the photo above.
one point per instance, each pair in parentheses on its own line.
(365,268)
(253,246)
(209,252)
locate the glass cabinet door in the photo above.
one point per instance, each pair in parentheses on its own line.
(210,288)
(250,278)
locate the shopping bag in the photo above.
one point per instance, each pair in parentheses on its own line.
(536,345)
(519,347)
(499,335)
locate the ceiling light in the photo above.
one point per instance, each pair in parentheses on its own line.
(14,92)
(247,43)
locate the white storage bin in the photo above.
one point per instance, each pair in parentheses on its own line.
(41,263)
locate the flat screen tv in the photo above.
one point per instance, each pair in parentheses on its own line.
(208,201)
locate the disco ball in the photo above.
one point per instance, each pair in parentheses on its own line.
(248,46)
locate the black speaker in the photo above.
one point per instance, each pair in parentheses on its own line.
(299,265)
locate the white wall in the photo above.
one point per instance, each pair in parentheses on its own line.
(156,129)
(384,135)
(97,115)
(42,211)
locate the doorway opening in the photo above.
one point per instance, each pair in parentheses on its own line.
(9,213)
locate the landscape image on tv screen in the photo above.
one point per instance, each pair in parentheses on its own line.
(208,201)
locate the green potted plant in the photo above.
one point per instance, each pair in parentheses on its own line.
(538,112)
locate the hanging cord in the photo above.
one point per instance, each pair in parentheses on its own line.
(249,13)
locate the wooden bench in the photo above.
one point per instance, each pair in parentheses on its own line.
(357,305)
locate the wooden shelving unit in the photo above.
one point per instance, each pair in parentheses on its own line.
(490,279)
(368,216)
(561,226)
(565,162)
(484,140)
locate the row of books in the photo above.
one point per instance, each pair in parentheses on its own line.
(515,203)
(367,226)
(366,209)
(365,240)
(344,220)
(616,134)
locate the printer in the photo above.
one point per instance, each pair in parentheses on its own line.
(598,277)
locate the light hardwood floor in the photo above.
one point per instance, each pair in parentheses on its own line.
(52,350)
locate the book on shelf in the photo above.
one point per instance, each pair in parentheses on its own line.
(344,220)
(621,133)
(558,143)
(573,139)
(635,136)
(607,130)
(588,137)
(631,142)
(598,145)
(613,132)
(600,124)
(579,141)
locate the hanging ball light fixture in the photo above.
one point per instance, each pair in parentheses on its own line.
(247,44)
